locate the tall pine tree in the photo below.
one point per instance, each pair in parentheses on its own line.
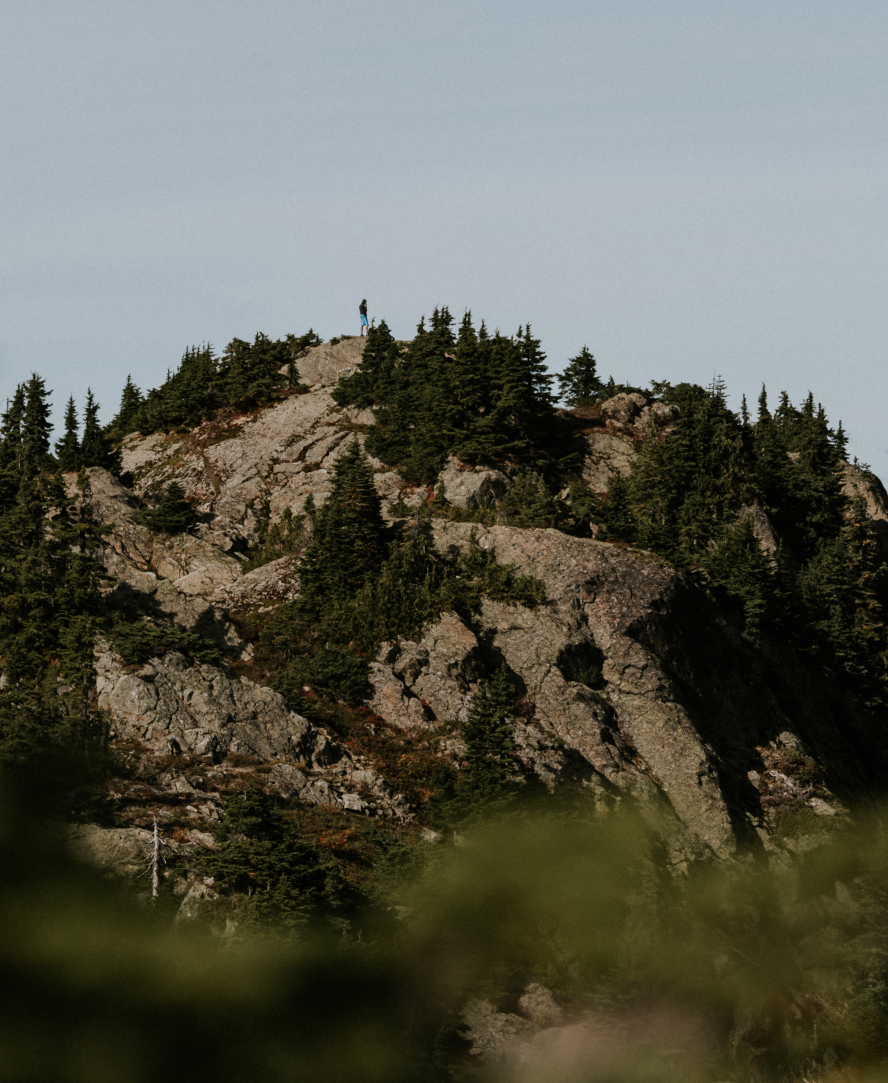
(95,446)
(68,448)
(580,384)
(349,534)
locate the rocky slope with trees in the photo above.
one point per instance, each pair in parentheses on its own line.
(323,606)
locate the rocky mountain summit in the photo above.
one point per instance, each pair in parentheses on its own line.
(438,730)
(635,683)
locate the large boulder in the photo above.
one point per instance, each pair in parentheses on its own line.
(472,486)
(322,366)
(264,587)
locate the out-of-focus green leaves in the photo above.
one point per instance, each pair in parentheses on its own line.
(748,971)
(95,989)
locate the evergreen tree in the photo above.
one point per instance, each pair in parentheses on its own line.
(173,515)
(843,590)
(580,384)
(92,448)
(529,503)
(288,882)
(12,420)
(738,564)
(491,771)
(469,395)
(68,448)
(248,374)
(797,461)
(349,534)
(130,401)
(477,396)
(95,446)
(35,424)
(51,601)
(191,392)
(373,380)
(684,487)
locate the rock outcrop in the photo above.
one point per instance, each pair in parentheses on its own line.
(467,487)
(635,685)
(614,429)
(634,673)
(168,706)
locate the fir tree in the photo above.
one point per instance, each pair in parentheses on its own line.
(130,401)
(35,424)
(68,448)
(51,601)
(580,384)
(288,882)
(469,394)
(173,515)
(349,534)
(11,428)
(190,393)
(491,771)
(738,564)
(95,447)
(843,589)
(373,379)
(529,503)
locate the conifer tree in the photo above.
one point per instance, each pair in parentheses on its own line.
(615,512)
(190,393)
(11,447)
(35,424)
(49,585)
(842,589)
(491,771)
(468,394)
(738,564)
(373,379)
(580,384)
(289,882)
(173,515)
(529,503)
(68,448)
(349,534)
(95,447)
(11,428)
(130,401)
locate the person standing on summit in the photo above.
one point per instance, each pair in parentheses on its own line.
(362,308)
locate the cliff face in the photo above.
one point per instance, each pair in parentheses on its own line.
(637,685)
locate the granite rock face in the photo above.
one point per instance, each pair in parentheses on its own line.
(169,706)
(864,485)
(124,850)
(243,469)
(614,430)
(637,681)
(264,587)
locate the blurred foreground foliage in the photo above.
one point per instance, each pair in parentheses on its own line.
(736,971)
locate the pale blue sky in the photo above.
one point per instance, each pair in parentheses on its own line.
(687,187)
